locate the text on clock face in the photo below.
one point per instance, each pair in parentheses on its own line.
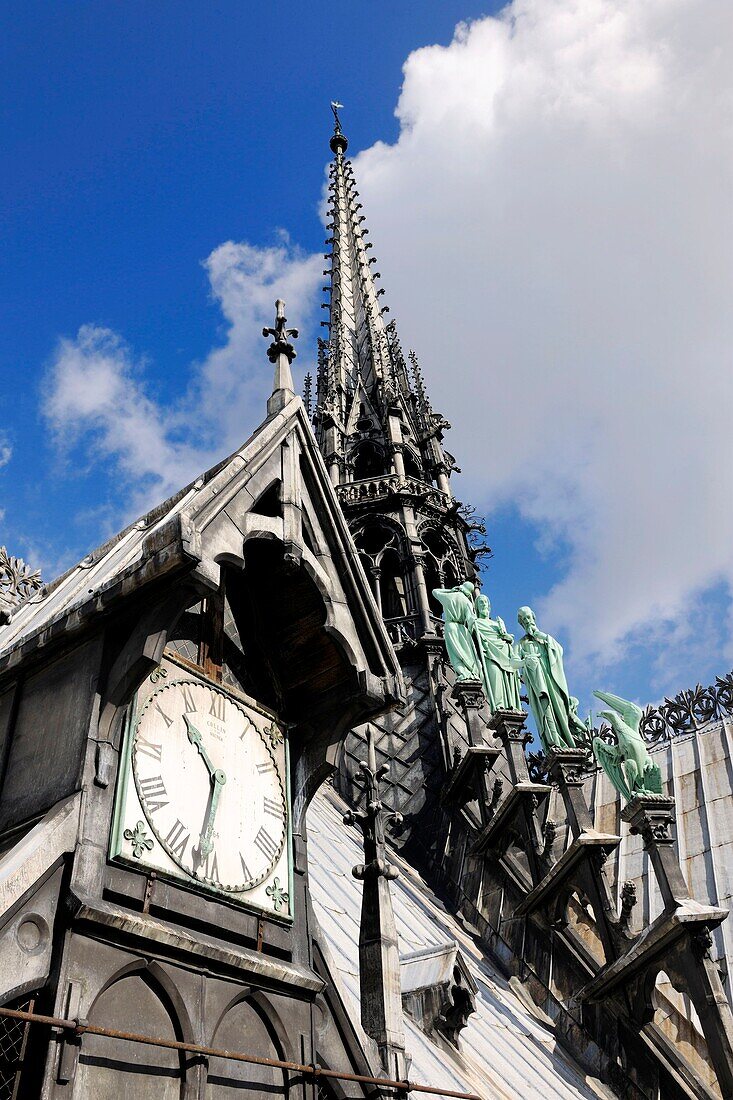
(209,785)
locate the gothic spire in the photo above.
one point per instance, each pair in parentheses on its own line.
(362,371)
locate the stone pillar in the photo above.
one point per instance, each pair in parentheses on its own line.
(509,728)
(653,816)
(421,590)
(379,960)
(565,767)
(376,573)
(443,482)
(470,697)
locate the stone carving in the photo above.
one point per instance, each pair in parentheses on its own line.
(627,763)
(500,666)
(458,1007)
(17,582)
(278,895)
(281,336)
(459,616)
(628,901)
(553,708)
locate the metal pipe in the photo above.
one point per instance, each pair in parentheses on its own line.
(80,1028)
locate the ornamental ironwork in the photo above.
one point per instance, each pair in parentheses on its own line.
(17,583)
(689,711)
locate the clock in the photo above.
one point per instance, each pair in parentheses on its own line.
(203,795)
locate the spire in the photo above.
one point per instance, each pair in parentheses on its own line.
(358,337)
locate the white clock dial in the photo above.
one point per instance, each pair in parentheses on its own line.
(209,785)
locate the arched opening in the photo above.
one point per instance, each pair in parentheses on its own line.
(270,502)
(244,1029)
(368,460)
(110,1068)
(440,564)
(381,552)
(412,466)
(675,1016)
(392,585)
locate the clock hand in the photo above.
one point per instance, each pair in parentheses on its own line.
(195,738)
(205,844)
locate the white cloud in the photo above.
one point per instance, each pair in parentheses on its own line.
(6,451)
(97,396)
(567,276)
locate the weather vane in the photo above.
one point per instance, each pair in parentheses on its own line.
(336,107)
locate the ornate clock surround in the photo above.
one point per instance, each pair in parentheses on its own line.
(147,831)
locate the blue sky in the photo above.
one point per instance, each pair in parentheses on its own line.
(549,207)
(137,138)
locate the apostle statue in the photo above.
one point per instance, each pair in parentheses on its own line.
(627,763)
(550,701)
(500,673)
(459,617)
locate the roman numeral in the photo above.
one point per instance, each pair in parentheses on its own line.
(147,748)
(266,845)
(154,793)
(263,769)
(245,728)
(273,807)
(178,838)
(216,710)
(245,869)
(168,721)
(189,706)
(211,866)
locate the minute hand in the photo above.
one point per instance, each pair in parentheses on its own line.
(195,738)
(206,844)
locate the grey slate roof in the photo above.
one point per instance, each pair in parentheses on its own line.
(506,1052)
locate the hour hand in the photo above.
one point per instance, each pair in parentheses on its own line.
(195,738)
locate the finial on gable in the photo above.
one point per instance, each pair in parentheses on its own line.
(281,352)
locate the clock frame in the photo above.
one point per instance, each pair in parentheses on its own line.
(202,794)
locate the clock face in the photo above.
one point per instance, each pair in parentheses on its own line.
(206,775)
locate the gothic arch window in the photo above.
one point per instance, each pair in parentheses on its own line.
(412,464)
(381,549)
(440,563)
(369,460)
(392,585)
(109,1067)
(245,1028)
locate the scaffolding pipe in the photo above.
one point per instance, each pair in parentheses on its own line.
(80,1027)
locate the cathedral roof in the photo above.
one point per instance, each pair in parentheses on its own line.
(506,1050)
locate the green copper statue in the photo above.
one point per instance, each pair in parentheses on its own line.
(627,764)
(553,707)
(500,666)
(459,616)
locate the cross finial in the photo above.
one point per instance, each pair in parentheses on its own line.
(281,336)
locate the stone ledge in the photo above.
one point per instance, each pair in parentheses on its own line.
(174,940)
